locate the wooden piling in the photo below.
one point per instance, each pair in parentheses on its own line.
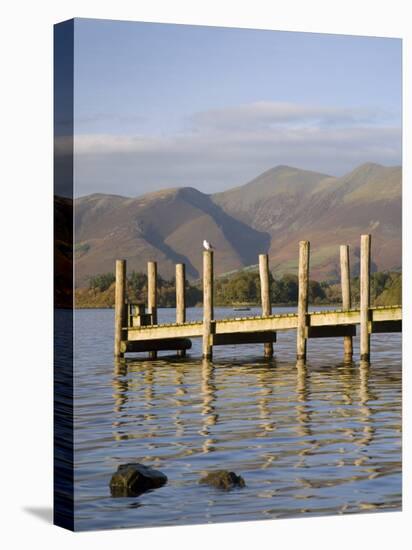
(152,297)
(346,297)
(303,299)
(119,306)
(365,267)
(207,303)
(180,299)
(265,296)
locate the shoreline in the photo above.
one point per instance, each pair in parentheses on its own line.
(234,306)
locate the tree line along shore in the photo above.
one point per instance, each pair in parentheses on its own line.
(239,289)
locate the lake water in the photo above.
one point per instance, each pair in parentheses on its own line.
(314,440)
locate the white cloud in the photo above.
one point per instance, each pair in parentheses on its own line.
(229,147)
(269,113)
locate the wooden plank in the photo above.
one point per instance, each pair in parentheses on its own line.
(120,310)
(165,344)
(152,296)
(353,316)
(189,330)
(346,297)
(152,290)
(385,326)
(135,311)
(332,331)
(262,324)
(181,298)
(265,296)
(365,273)
(303,294)
(244,338)
(207,303)
(325,318)
(142,320)
(253,324)
(393,313)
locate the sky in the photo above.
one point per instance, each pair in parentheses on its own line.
(159,105)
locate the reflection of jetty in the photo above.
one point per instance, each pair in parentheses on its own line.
(137,330)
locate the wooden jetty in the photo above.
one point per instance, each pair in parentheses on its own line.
(138,331)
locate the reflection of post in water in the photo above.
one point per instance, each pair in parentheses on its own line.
(125,389)
(120,367)
(301,381)
(347,374)
(208,391)
(120,388)
(364,409)
(149,392)
(303,413)
(179,392)
(264,379)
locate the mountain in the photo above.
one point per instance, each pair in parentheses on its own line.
(270,200)
(167,226)
(292,205)
(269,214)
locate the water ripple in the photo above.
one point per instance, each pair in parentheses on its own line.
(314,440)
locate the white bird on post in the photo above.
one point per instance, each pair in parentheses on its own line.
(207,245)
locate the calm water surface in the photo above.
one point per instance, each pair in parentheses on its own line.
(320,439)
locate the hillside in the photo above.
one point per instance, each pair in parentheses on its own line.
(293,204)
(271,200)
(271,213)
(167,226)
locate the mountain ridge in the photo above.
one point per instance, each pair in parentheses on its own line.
(158,226)
(271,213)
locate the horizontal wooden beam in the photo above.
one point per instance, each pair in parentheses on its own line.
(244,338)
(156,345)
(271,323)
(386,326)
(187,330)
(257,324)
(393,313)
(331,331)
(328,318)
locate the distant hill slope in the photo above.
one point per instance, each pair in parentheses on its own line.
(167,226)
(270,201)
(292,204)
(271,213)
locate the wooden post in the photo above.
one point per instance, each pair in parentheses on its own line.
(152,297)
(346,297)
(365,271)
(265,296)
(181,299)
(207,303)
(119,306)
(303,294)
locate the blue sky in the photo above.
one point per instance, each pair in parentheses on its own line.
(173,105)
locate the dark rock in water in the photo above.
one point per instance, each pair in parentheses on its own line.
(133,478)
(223,479)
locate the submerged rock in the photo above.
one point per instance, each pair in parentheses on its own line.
(133,478)
(223,479)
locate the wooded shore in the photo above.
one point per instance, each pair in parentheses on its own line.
(240,290)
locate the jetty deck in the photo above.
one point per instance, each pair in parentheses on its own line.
(138,331)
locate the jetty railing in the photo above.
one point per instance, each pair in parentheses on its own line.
(138,331)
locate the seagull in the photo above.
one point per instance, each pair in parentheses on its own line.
(207,245)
